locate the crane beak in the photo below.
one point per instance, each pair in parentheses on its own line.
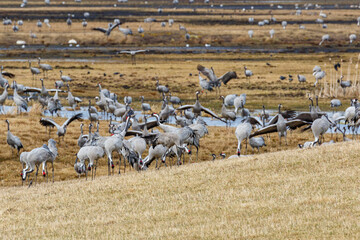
(238,153)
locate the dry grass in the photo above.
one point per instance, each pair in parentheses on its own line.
(296,194)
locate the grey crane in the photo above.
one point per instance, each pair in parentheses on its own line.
(257,142)
(133,54)
(228,115)
(161,88)
(174,99)
(320,126)
(248,73)
(140,29)
(3,80)
(144,106)
(68,21)
(301,78)
(198,108)
(61,130)
(284,24)
(335,103)
(3,97)
(115,143)
(34,71)
(272,33)
(82,138)
(39,156)
(318,74)
(243,131)
(239,102)
(107,31)
(44,67)
(73,101)
(92,154)
(229,100)
(280,126)
(126,31)
(251,33)
(65,78)
(52,147)
(12,140)
(19,101)
(352,37)
(204,84)
(214,80)
(344,84)
(324,38)
(154,153)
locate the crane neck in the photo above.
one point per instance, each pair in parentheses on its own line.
(8,124)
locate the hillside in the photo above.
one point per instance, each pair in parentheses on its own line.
(296,194)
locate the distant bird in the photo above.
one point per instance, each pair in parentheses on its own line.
(272,33)
(15,28)
(284,24)
(197,108)
(337,66)
(228,115)
(358,21)
(126,31)
(335,103)
(251,33)
(174,99)
(69,21)
(290,78)
(12,140)
(344,84)
(34,71)
(39,24)
(140,29)
(108,30)
(243,131)
(19,101)
(133,54)
(352,38)
(325,37)
(318,74)
(84,23)
(282,78)
(47,22)
(161,88)
(73,101)
(145,106)
(64,77)
(204,84)
(82,138)
(248,73)
(44,67)
(301,78)
(61,130)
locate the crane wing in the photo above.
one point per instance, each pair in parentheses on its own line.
(227,77)
(208,111)
(151,124)
(293,124)
(304,116)
(139,51)
(288,114)
(209,73)
(69,120)
(274,120)
(268,129)
(99,29)
(184,107)
(8,74)
(32,89)
(254,121)
(114,26)
(124,51)
(47,122)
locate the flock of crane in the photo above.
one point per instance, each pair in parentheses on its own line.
(172,141)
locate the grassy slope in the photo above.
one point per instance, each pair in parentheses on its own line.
(291,194)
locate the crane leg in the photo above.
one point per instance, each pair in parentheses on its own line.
(37,170)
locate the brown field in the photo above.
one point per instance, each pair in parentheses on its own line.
(292,194)
(280,193)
